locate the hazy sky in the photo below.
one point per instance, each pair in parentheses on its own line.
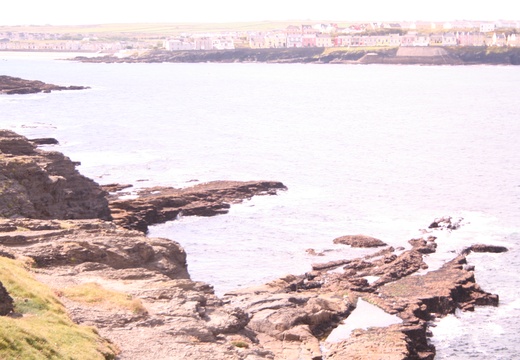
(67,12)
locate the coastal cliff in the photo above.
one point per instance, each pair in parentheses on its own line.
(435,55)
(78,240)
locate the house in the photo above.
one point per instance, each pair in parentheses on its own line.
(325,28)
(293,30)
(275,40)
(395,26)
(471,38)
(257,41)
(435,40)
(513,40)
(357,40)
(409,39)
(323,40)
(449,39)
(489,39)
(309,40)
(388,40)
(369,41)
(223,43)
(308,29)
(343,41)
(499,39)
(487,27)
(178,45)
(294,40)
(203,43)
(422,40)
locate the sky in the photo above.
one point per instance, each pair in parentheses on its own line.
(67,12)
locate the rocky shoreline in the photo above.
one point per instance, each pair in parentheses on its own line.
(435,55)
(75,232)
(12,85)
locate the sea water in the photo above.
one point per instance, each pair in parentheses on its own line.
(377,150)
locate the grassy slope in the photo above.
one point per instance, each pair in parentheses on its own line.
(44,331)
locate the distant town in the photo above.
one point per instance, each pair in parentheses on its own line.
(457,33)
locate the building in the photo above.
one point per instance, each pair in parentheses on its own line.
(294,40)
(487,27)
(324,40)
(309,40)
(275,40)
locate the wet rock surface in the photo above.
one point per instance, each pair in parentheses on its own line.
(12,85)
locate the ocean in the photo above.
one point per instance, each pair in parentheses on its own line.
(380,150)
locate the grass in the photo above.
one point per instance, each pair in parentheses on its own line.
(161,29)
(41,328)
(240,344)
(95,294)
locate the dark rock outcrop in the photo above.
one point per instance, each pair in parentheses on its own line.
(483,248)
(446,223)
(6,301)
(45,184)
(13,85)
(361,241)
(161,204)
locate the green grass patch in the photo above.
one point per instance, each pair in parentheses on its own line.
(95,294)
(240,344)
(41,328)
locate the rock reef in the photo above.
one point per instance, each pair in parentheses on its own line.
(74,233)
(12,85)
(160,204)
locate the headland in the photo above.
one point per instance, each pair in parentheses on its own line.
(76,238)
